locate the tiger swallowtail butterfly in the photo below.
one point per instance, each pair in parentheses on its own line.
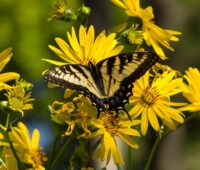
(109,83)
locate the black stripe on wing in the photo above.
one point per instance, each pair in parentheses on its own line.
(137,62)
(124,69)
(149,61)
(79,78)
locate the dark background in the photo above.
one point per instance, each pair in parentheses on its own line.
(24,27)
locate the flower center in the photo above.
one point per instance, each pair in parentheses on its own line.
(38,157)
(149,96)
(16,103)
(110,123)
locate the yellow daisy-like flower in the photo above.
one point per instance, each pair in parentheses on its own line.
(3,142)
(151,100)
(27,148)
(18,98)
(135,36)
(5,77)
(109,128)
(85,48)
(192,90)
(10,162)
(60,11)
(61,111)
(75,114)
(153,35)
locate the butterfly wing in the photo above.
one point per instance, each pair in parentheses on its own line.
(75,77)
(109,82)
(119,72)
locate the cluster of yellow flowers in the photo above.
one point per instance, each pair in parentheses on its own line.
(151,103)
(15,141)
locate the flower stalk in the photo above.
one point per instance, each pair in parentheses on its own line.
(20,164)
(61,152)
(160,137)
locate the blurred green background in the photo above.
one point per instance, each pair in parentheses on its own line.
(24,27)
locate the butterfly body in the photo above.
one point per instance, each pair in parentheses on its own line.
(108,84)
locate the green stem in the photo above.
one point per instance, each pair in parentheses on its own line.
(7,120)
(118,166)
(60,153)
(151,155)
(130,167)
(20,165)
(153,150)
(52,151)
(138,47)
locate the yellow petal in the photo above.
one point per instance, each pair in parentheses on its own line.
(119,3)
(69,55)
(74,43)
(35,138)
(15,137)
(5,57)
(153,119)
(136,110)
(120,27)
(82,36)
(173,113)
(117,157)
(68,93)
(4,77)
(24,133)
(128,140)
(115,51)
(129,131)
(89,41)
(165,118)
(157,48)
(4,86)
(144,122)
(54,62)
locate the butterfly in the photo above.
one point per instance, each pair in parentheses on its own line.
(108,83)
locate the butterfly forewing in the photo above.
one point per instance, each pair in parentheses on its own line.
(75,77)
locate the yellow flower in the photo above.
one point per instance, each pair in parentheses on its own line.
(27,148)
(151,100)
(108,128)
(60,11)
(86,111)
(160,68)
(192,90)
(18,98)
(153,34)
(86,48)
(61,111)
(5,77)
(3,142)
(135,36)
(75,114)
(9,158)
